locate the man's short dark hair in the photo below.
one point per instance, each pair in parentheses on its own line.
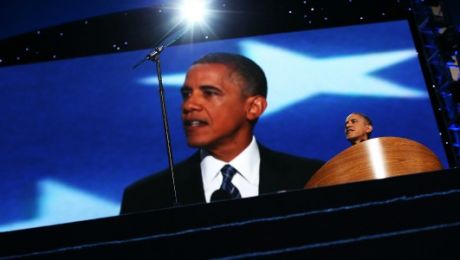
(252,74)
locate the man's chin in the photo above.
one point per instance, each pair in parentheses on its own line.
(197,143)
(352,139)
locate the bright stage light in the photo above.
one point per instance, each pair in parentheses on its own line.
(193,11)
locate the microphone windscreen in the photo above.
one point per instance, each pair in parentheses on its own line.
(220,195)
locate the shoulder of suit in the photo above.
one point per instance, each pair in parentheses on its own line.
(165,175)
(269,154)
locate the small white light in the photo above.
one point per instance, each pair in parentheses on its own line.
(193,11)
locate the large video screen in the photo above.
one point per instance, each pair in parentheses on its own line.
(75,132)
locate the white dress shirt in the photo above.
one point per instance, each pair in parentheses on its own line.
(246,180)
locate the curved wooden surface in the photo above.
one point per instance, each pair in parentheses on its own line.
(376,158)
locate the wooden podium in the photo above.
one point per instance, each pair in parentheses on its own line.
(376,158)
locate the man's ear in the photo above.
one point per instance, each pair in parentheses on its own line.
(256,106)
(369,129)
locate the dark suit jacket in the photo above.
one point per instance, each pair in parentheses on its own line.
(278,172)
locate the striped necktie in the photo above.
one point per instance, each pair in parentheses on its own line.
(227,189)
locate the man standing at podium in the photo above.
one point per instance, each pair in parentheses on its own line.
(358,128)
(223,97)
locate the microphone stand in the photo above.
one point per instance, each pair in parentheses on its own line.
(177,32)
(164,115)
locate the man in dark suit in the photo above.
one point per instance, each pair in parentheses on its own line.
(223,96)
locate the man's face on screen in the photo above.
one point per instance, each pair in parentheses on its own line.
(214,110)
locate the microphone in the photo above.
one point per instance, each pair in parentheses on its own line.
(172,36)
(220,195)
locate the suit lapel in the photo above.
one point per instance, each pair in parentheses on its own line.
(189,181)
(270,177)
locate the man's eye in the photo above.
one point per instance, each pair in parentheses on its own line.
(209,92)
(185,93)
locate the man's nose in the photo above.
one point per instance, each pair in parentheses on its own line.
(192,103)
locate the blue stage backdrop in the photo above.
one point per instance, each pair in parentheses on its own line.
(75,132)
